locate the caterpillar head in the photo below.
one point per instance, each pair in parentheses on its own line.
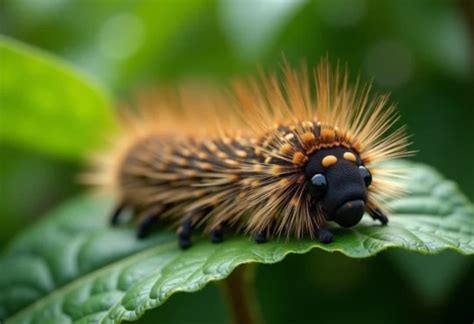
(337,179)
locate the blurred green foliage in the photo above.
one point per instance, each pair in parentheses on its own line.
(421,52)
(47,106)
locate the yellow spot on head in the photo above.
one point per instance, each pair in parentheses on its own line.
(357,146)
(190,173)
(283,183)
(211,146)
(215,201)
(185,152)
(202,156)
(307,124)
(243,141)
(233,177)
(246,181)
(162,166)
(276,170)
(221,155)
(286,148)
(348,137)
(298,158)
(328,134)
(307,138)
(198,193)
(300,180)
(205,166)
(173,177)
(328,161)
(350,157)
(180,161)
(255,183)
(231,162)
(295,201)
(241,153)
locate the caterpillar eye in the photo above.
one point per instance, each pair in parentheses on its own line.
(317,185)
(365,174)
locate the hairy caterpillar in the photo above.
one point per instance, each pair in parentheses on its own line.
(268,158)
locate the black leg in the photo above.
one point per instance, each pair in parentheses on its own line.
(217,233)
(324,235)
(261,237)
(184,232)
(185,229)
(114,219)
(377,214)
(145,224)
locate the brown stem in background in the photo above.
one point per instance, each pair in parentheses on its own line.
(239,290)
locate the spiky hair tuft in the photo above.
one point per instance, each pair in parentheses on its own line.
(240,154)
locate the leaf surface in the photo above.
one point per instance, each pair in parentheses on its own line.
(73,267)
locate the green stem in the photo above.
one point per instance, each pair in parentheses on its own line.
(239,290)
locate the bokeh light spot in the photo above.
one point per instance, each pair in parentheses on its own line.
(121,36)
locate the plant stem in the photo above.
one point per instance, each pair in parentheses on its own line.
(239,290)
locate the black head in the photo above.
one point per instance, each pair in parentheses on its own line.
(336,177)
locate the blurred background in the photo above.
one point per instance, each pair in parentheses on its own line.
(421,52)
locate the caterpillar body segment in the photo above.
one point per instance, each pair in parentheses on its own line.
(270,159)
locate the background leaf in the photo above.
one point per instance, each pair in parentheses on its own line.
(74,267)
(47,105)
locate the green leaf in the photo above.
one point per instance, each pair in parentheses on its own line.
(74,267)
(47,105)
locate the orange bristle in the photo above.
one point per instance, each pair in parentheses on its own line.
(245,153)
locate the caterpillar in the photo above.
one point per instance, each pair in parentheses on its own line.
(268,157)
